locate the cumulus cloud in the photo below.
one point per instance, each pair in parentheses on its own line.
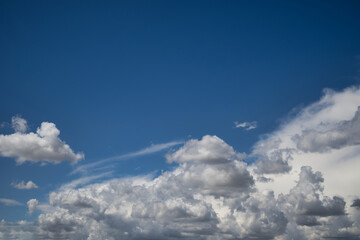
(32,204)
(210,149)
(10,202)
(24,186)
(42,146)
(307,138)
(246,125)
(209,195)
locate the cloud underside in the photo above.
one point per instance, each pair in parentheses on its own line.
(213,194)
(44,145)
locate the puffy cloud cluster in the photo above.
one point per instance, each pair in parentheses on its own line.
(42,146)
(324,135)
(24,186)
(295,188)
(210,195)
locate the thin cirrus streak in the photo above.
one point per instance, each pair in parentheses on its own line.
(10,202)
(148,150)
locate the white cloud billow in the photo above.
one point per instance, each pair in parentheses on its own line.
(210,195)
(42,146)
(32,204)
(323,135)
(209,149)
(24,186)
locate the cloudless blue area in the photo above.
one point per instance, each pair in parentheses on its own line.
(117,76)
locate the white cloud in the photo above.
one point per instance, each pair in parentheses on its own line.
(32,204)
(246,125)
(23,185)
(324,136)
(42,146)
(209,149)
(19,124)
(10,202)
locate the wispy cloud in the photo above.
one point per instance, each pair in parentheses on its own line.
(84,180)
(246,125)
(10,202)
(146,151)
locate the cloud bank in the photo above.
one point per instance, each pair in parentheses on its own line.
(211,194)
(42,146)
(291,191)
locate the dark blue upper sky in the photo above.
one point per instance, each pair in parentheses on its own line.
(116,76)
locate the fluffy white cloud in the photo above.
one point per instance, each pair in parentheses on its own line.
(42,146)
(324,136)
(32,204)
(210,149)
(24,186)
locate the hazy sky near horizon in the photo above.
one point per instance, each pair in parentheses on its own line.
(244,101)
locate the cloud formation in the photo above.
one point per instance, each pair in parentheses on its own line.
(289,192)
(211,194)
(24,186)
(246,125)
(42,146)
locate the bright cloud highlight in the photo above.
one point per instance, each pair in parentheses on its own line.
(42,146)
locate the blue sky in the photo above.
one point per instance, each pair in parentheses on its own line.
(118,77)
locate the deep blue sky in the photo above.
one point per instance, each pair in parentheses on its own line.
(117,76)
